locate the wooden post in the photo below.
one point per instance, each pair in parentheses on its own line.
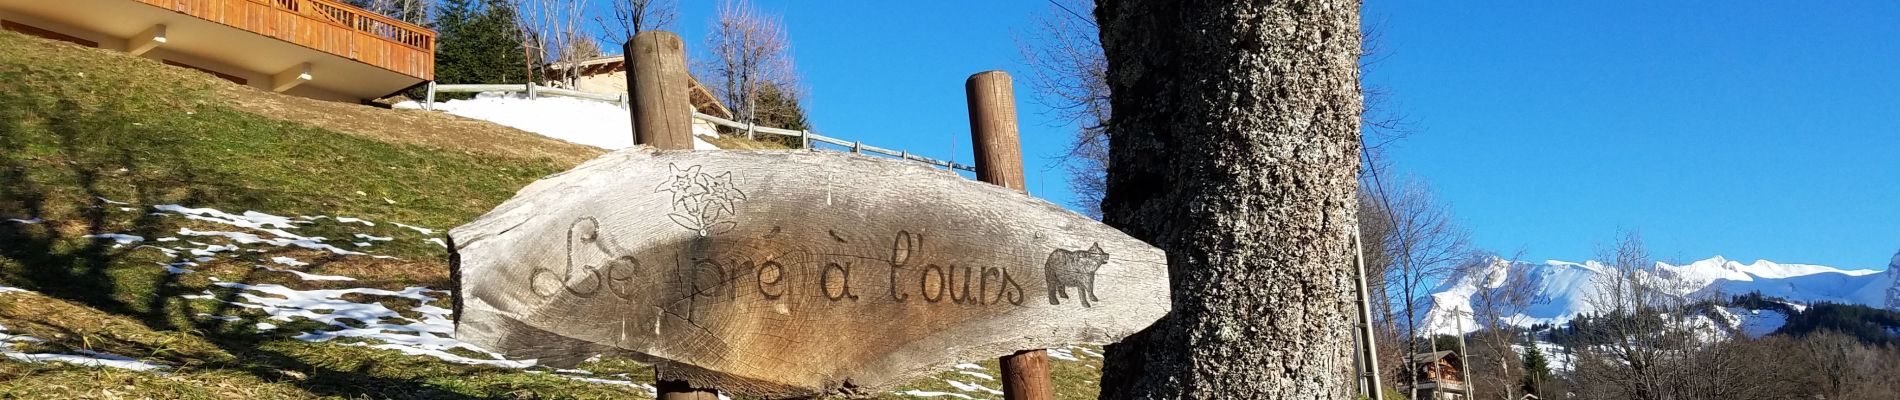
(662,113)
(662,118)
(993,129)
(999,160)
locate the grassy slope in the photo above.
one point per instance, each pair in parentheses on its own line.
(78,125)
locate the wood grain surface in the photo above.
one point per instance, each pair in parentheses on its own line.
(791,273)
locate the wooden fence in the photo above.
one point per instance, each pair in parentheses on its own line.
(805,137)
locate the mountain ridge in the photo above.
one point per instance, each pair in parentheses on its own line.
(1563,289)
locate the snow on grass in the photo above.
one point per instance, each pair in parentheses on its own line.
(580,121)
(283,239)
(288,261)
(249,219)
(309,276)
(1063,354)
(431,335)
(28,221)
(424,231)
(971,387)
(120,238)
(10,344)
(85,357)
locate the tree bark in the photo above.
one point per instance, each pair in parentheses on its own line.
(1234,146)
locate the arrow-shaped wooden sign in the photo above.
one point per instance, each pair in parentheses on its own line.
(792,273)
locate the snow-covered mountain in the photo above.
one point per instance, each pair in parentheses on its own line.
(1564,290)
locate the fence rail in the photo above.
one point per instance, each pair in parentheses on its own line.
(805,137)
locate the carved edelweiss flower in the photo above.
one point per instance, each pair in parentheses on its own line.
(702,201)
(683,182)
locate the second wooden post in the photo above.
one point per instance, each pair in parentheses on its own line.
(657,87)
(999,160)
(662,118)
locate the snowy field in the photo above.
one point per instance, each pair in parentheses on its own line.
(580,121)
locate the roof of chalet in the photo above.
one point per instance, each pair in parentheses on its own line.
(703,99)
(1434,356)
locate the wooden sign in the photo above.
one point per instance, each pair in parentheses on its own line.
(791,274)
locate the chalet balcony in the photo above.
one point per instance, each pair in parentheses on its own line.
(315,48)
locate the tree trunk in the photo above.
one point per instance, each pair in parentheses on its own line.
(1234,146)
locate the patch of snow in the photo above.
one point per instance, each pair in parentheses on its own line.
(347,220)
(117,237)
(225,318)
(8,343)
(431,335)
(249,219)
(438,242)
(978,375)
(283,239)
(1086,351)
(1062,354)
(86,358)
(969,387)
(925,393)
(288,261)
(309,276)
(28,221)
(8,289)
(586,122)
(425,231)
(1753,323)
(374,238)
(110,201)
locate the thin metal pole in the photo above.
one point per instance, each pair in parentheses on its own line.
(1464,371)
(428,102)
(1370,349)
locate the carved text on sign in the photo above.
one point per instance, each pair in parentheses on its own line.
(791,274)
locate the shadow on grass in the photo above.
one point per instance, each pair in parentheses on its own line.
(61,161)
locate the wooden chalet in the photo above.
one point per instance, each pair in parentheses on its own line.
(323,49)
(1440,376)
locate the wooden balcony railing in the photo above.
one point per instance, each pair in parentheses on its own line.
(326,25)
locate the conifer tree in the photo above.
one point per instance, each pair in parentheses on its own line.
(476,42)
(1536,369)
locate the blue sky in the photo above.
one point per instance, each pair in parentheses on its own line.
(1763,130)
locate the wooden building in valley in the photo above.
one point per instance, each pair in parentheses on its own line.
(1440,376)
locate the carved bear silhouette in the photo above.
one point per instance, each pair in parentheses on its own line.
(1074,268)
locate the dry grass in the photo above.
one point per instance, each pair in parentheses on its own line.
(419,127)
